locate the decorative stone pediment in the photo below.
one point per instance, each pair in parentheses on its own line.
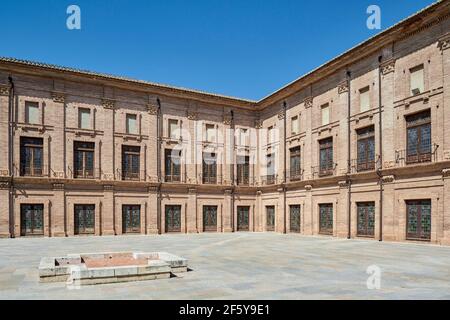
(58,97)
(387,67)
(343,87)
(308,102)
(4,90)
(108,103)
(152,109)
(388,179)
(446,173)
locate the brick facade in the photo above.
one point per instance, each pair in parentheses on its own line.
(381,65)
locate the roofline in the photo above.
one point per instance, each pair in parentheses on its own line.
(356,53)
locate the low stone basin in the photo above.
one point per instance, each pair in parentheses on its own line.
(98,268)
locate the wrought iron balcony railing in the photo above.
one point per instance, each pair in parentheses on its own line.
(405,157)
(269,179)
(172,178)
(295,175)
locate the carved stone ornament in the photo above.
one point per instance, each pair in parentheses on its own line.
(281,115)
(192,115)
(308,187)
(388,179)
(4,90)
(227,120)
(58,186)
(108,103)
(387,67)
(258,124)
(58,97)
(308,102)
(343,87)
(444,42)
(152,109)
(446,173)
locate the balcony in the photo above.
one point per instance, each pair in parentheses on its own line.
(358,165)
(295,175)
(270,179)
(32,171)
(210,179)
(321,172)
(127,175)
(84,173)
(172,178)
(404,158)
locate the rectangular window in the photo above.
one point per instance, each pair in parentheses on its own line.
(84,219)
(326,165)
(270,218)
(243,218)
(131,218)
(173,218)
(174,132)
(132,124)
(295,125)
(84,118)
(243,170)
(325,110)
(366,149)
(31,156)
(209,168)
(31,219)
(295,166)
(326,219)
(243,137)
(366,219)
(270,169)
(210,218)
(131,156)
(32,112)
(418,221)
(270,135)
(294,218)
(172,165)
(210,133)
(364,99)
(417,80)
(84,160)
(418,131)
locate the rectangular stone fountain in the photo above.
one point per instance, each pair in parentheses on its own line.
(99,268)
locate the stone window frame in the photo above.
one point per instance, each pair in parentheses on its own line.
(292,132)
(91,118)
(40,106)
(323,106)
(420,66)
(179,128)
(363,90)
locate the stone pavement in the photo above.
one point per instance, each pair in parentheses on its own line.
(241,266)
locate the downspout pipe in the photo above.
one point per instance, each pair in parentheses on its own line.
(349,163)
(11,154)
(380,140)
(158,162)
(284,165)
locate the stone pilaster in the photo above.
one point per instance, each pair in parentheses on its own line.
(152,211)
(107,150)
(280,214)
(192,219)
(4,210)
(387,70)
(390,216)
(446,200)
(308,211)
(108,218)
(58,211)
(228,226)
(342,210)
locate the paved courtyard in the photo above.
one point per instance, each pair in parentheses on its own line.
(241,266)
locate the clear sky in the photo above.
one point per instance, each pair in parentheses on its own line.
(243,48)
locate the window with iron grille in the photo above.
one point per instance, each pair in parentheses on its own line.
(172,165)
(209,168)
(31,219)
(418,221)
(130,162)
(243,170)
(84,219)
(326,157)
(326,218)
(84,160)
(418,131)
(295,166)
(366,149)
(31,156)
(294,218)
(365,219)
(270,168)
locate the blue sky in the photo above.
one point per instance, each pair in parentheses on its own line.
(243,48)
